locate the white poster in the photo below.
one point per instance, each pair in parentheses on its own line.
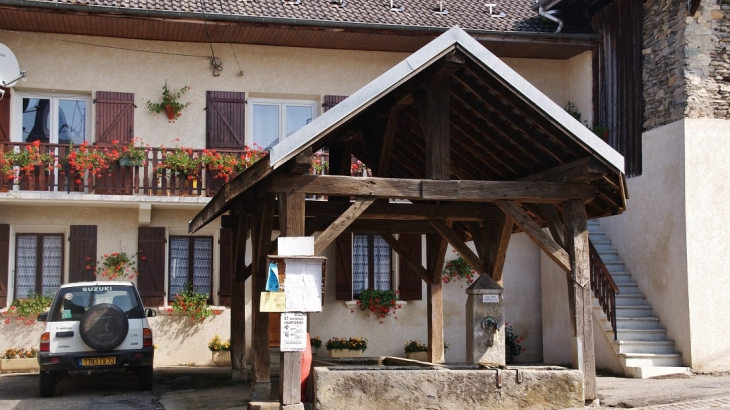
(303,285)
(293,332)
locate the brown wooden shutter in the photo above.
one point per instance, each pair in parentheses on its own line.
(410,284)
(114,117)
(343,267)
(332,100)
(4,255)
(82,246)
(151,264)
(224,119)
(226,268)
(5,117)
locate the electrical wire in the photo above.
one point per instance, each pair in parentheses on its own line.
(240,70)
(215,63)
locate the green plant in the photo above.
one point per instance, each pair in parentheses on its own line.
(191,303)
(14,353)
(216,344)
(29,308)
(136,154)
(83,159)
(169,99)
(115,265)
(457,269)
(25,160)
(512,342)
(181,161)
(599,130)
(316,342)
(319,165)
(382,303)
(414,347)
(353,343)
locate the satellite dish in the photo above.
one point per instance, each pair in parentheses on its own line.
(9,69)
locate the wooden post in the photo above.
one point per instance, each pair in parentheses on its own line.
(261,238)
(238,296)
(436,253)
(291,223)
(579,294)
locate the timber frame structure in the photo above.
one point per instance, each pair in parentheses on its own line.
(473,151)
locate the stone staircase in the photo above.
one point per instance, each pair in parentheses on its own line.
(642,346)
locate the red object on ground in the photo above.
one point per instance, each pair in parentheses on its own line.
(306,368)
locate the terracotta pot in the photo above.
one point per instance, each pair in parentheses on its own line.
(170,112)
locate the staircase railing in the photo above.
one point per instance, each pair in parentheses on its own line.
(604,288)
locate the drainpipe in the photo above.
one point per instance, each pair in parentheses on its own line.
(541,11)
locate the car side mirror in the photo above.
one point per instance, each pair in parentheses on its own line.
(42,317)
(150,312)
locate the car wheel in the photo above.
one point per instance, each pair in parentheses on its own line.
(47,384)
(145,377)
(104,327)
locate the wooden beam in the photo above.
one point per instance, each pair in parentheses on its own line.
(412,211)
(436,247)
(554,224)
(459,246)
(579,294)
(430,190)
(405,256)
(386,149)
(339,225)
(433,106)
(301,163)
(477,235)
(497,235)
(583,170)
(420,227)
(291,209)
(532,229)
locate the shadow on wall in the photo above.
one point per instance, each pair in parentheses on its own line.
(16,333)
(179,327)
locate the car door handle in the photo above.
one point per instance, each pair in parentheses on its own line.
(65,334)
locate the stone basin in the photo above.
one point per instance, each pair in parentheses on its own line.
(392,382)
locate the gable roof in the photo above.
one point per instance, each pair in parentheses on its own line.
(502,128)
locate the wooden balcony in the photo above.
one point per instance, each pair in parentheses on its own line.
(145,179)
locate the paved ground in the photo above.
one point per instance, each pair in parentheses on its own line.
(185,388)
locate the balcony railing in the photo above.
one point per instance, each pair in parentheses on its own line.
(145,179)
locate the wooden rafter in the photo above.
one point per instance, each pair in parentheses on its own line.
(386,149)
(554,224)
(459,245)
(339,225)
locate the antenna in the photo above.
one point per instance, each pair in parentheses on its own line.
(440,9)
(398,9)
(9,69)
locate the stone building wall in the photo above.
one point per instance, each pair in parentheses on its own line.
(663,79)
(707,61)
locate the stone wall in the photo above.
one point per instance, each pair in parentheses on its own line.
(664,90)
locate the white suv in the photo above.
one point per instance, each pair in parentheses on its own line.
(95,327)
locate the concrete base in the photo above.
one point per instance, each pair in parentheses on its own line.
(655,371)
(260,391)
(531,388)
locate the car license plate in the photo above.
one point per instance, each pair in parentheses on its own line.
(99,361)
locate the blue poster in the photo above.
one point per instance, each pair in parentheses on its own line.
(272,283)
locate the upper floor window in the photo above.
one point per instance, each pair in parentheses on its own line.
(275,120)
(57,119)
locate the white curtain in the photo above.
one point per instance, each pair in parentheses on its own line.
(381,255)
(25,282)
(178,264)
(202,253)
(359,263)
(52,263)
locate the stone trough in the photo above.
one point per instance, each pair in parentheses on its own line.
(392,382)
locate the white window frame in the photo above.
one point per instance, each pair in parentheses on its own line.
(282,103)
(17,113)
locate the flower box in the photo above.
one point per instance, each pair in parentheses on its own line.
(222,358)
(345,353)
(19,365)
(420,356)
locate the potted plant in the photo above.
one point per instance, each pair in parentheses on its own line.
(416,351)
(182,162)
(512,346)
(83,159)
(221,351)
(19,360)
(380,303)
(13,165)
(341,347)
(115,265)
(132,154)
(316,343)
(191,303)
(457,269)
(27,309)
(319,165)
(170,102)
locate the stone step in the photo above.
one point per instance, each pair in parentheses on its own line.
(646,372)
(598,237)
(603,247)
(630,300)
(628,288)
(622,277)
(639,334)
(615,266)
(650,359)
(639,323)
(609,256)
(634,311)
(641,346)
(601,242)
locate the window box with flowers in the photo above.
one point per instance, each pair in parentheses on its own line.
(225,166)
(26,310)
(84,161)
(341,347)
(458,269)
(379,303)
(192,304)
(134,154)
(19,360)
(16,164)
(170,103)
(221,351)
(417,351)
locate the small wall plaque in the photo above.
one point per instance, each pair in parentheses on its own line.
(490,298)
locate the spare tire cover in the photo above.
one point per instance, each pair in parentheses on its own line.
(104,327)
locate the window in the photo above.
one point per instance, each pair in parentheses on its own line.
(53,119)
(275,120)
(38,264)
(191,260)
(370,263)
